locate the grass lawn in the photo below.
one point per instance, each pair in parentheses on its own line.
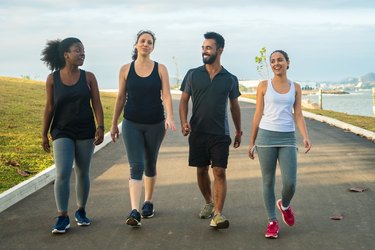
(21,111)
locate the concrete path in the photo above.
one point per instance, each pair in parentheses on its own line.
(339,160)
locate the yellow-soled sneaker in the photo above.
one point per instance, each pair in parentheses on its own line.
(219,222)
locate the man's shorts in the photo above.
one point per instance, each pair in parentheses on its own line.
(207,149)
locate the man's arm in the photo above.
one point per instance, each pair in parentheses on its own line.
(183,109)
(236,116)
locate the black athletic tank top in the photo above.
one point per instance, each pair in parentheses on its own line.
(73,117)
(143,101)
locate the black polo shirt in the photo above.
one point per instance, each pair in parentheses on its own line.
(210,99)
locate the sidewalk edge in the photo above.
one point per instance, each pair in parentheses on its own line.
(29,186)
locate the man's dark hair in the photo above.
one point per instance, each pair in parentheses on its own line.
(219,39)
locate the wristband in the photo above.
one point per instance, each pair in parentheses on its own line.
(101,126)
(238,133)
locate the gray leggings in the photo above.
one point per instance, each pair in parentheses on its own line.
(142,144)
(66,151)
(268,157)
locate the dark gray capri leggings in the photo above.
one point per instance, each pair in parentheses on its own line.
(142,144)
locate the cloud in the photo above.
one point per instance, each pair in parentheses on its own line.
(331,37)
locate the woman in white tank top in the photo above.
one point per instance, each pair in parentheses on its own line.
(278,109)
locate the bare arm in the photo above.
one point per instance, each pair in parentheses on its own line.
(183,108)
(120,101)
(48,113)
(97,106)
(300,120)
(167,98)
(261,90)
(236,116)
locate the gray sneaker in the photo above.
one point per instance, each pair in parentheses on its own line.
(207,211)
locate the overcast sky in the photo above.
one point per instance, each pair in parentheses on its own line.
(325,40)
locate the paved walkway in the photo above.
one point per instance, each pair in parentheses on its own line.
(338,161)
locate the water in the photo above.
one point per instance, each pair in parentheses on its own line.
(355,103)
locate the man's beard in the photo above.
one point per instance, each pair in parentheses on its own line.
(210,59)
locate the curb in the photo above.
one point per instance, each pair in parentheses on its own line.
(345,126)
(26,188)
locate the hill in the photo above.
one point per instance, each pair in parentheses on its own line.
(365,79)
(368,78)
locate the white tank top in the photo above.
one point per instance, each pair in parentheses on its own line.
(277,113)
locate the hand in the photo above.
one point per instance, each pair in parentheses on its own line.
(114,133)
(45,144)
(99,136)
(251,151)
(169,123)
(307,144)
(186,129)
(237,139)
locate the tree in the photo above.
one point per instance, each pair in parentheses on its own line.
(25,77)
(262,64)
(177,76)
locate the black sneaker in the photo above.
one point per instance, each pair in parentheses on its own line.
(148,210)
(81,218)
(134,218)
(62,224)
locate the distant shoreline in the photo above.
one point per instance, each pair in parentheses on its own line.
(304,92)
(331,92)
(108,90)
(173,91)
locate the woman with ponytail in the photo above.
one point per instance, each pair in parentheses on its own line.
(144,96)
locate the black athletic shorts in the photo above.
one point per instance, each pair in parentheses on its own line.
(207,149)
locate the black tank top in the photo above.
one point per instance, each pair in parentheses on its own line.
(73,117)
(143,102)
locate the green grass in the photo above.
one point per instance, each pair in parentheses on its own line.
(21,111)
(364,122)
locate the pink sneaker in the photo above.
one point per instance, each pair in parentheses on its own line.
(288,216)
(272,230)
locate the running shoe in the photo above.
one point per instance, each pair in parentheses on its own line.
(288,216)
(134,218)
(272,230)
(62,224)
(207,211)
(148,210)
(219,222)
(81,218)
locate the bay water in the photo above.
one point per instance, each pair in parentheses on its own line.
(354,103)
